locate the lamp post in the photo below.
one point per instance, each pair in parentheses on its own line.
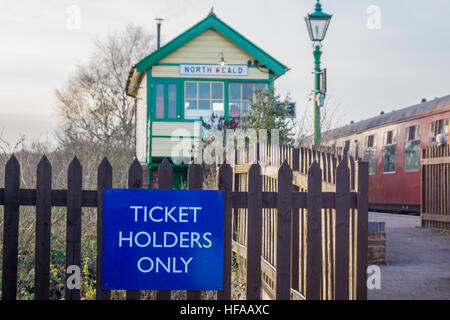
(317,24)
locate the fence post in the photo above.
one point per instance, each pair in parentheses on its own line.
(295,233)
(104,181)
(73,231)
(314,235)
(165,178)
(10,229)
(195,181)
(43,227)
(362,235)
(134,182)
(342,231)
(226,185)
(254,233)
(284,207)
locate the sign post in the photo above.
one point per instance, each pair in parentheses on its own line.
(163,239)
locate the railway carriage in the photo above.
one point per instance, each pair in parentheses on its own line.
(392,144)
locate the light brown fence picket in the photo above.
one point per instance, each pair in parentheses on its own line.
(435,206)
(328,218)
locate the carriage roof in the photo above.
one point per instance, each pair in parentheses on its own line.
(416,111)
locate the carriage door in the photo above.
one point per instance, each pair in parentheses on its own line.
(166,100)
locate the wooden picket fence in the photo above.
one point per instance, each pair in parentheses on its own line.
(435,206)
(285,255)
(312,201)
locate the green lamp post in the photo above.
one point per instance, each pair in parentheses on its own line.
(317,24)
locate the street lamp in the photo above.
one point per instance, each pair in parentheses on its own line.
(317,24)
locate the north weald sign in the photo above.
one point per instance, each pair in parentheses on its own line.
(213,70)
(163,239)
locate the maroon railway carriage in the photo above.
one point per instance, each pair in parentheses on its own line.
(392,144)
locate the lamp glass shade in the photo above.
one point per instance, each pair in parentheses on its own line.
(317,24)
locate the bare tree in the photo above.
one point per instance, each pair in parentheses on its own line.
(330,118)
(95,113)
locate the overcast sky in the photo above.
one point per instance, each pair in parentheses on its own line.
(373,65)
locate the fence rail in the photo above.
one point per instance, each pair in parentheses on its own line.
(270,157)
(296,243)
(435,207)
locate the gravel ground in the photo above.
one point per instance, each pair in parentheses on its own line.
(418,261)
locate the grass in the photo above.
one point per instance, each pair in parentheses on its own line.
(442,232)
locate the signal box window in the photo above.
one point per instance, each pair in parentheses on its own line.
(202,99)
(241,95)
(389,151)
(370,153)
(412,148)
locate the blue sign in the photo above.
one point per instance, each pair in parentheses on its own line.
(163,239)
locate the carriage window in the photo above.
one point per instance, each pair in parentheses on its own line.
(370,153)
(437,127)
(370,141)
(370,156)
(412,133)
(412,148)
(390,137)
(389,157)
(389,152)
(412,155)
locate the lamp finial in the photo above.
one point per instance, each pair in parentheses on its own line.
(318,6)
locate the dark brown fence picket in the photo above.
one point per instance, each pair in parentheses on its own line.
(104,181)
(73,231)
(254,236)
(284,208)
(43,229)
(362,229)
(134,182)
(11,229)
(314,238)
(226,185)
(195,182)
(342,231)
(295,232)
